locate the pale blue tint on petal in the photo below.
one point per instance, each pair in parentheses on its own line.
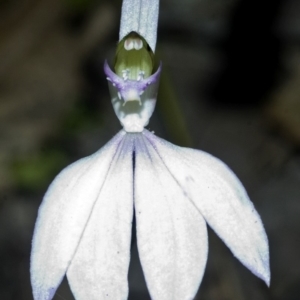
(63,216)
(140,16)
(222,200)
(99,268)
(171,233)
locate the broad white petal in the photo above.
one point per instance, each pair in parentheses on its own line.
(100,266)
(140,16)
(63,216)
(171,233)
(222,200)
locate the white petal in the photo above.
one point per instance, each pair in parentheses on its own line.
(63,215)
(171,233)
(100,266)
(222,200)
(140,16)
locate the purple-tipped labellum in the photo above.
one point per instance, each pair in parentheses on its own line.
(133,100)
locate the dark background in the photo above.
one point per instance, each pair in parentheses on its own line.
(230,86)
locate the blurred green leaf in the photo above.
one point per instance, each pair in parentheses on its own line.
(35,173)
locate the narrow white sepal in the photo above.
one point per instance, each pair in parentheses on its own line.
(171,233)
(140,16)
(222,200)
(63,215)
(99,268)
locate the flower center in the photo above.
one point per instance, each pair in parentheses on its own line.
(134,58)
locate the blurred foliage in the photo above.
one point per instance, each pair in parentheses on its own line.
(83,116)
(172,115)
(35,173)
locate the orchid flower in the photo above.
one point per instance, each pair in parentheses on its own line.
(83,229)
